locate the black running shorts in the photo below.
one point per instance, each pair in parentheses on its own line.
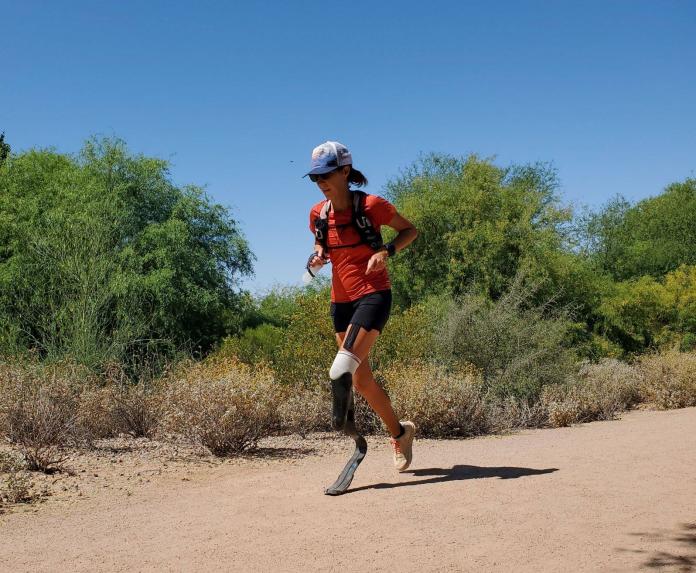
(370,311)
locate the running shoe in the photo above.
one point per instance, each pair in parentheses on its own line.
(403,447)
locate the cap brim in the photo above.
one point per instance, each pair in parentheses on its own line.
(320,171)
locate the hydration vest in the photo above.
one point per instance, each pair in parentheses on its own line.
(362,224)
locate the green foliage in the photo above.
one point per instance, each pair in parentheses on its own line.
(102,257)
(408,336)
(275,307)
(653,237)
(635,313)
(680,291)
(255,344)
(4,149)
(308,346)
(647,313)
(477,223)
(518,346)
(294,334)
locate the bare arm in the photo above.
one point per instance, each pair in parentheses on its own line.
(407,233)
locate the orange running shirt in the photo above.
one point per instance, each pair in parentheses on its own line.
(349,281)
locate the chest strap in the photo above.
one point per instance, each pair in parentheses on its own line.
(368,234)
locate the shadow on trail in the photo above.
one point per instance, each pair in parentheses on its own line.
(267,452)
(682,560)
(458,472)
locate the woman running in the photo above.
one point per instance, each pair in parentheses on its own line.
(346,225)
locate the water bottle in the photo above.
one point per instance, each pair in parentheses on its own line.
(311,271)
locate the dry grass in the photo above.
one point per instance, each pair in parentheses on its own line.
(510,414)
(39,411)
(113,409)
(228,406)
(304,410)
(600,392)
(15,482)
(669,379)
(222,404)
(440,402)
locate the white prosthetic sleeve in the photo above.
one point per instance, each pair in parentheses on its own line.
(344,363)
(344,366)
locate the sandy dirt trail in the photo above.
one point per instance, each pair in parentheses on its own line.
(606,496)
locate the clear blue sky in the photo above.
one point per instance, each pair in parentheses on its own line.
(236,94)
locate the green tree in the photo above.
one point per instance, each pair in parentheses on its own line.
(477,222)
(647,313)
(4,149)
(102,256)
(652,237)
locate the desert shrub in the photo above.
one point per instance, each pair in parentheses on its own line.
(562,405)
(518,346)
(222,404)
(15,482)
(366,420)
(297,340)
(114,403)
(600,392)
(669,379)
(255,344)
(618,381)
(137,409)
(39,411)
(442,403)
(509,413)
(308,346)
(95,412)
(408,336)
(113,409)
(303,410)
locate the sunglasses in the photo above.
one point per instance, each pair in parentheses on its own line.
(321,176)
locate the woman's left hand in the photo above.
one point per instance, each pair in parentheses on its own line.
(377,262)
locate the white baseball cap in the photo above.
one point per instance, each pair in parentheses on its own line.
(329,156)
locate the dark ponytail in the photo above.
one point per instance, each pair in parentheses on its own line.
(356,178)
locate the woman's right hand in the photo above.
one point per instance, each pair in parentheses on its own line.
(318,257)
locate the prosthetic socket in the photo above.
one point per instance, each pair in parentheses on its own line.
(344,366)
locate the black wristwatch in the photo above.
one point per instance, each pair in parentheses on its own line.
(391,249)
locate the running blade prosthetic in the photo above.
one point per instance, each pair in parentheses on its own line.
(343,481)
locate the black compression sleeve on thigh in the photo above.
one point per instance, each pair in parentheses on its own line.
(349,340)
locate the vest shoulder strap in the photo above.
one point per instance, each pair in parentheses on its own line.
(325,208)
(321,225)
(368,234)
(359,220)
